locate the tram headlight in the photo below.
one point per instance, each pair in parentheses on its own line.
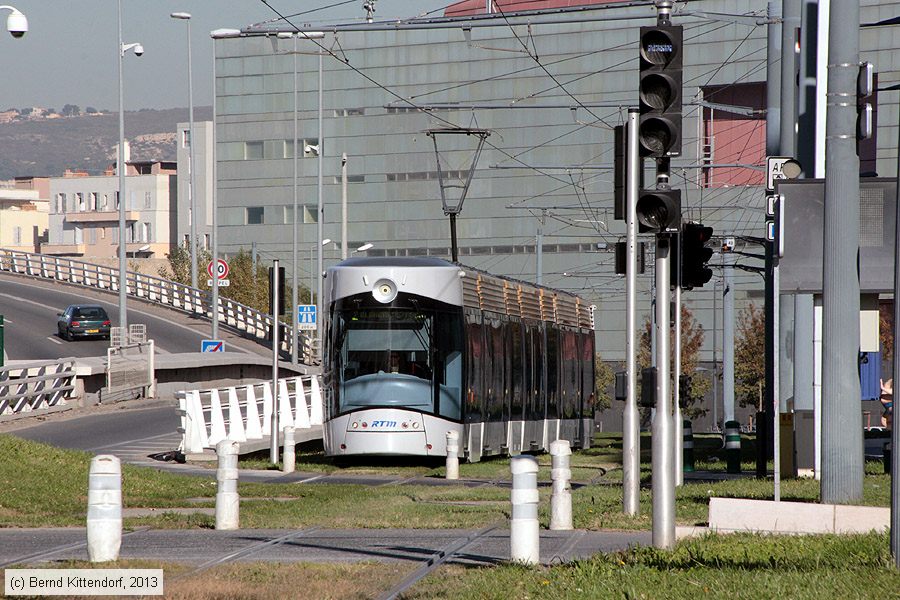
(384,291)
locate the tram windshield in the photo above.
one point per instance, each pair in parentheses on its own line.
(389,356)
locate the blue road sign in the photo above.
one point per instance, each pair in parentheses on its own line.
(306,316)
(212,346)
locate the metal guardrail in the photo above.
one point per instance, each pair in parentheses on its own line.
(244,413)
(247,321)
(33,386)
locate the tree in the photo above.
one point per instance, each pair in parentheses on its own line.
(603,378)
(750,357)
(70,110)
(249,284)
(692,336)
(90,110)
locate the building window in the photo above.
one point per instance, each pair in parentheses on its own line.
(254,215)
(79,202)
(104,202)
(351,179)
(60,203)
(349,112)
(309,213)
(79,235)
(310,148)
(733,138)
(17,236)
(92,236)
(148,199)
(147,233)
(253,150)
(206,245)
(186,138)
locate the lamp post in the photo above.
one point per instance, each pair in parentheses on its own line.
(193,202)
(16,23)
(120,167)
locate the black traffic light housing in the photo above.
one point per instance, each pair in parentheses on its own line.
(659,211)
(282,298)
(695,255)
(660,90)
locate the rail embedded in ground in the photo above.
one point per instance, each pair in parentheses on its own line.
(247,321)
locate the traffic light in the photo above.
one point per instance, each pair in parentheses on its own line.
(695,255)
(282,300)
(660,90)
(659,211)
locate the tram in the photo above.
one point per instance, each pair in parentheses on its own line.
(417,347)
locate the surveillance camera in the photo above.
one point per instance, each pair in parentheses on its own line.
(138,50)
(16,24)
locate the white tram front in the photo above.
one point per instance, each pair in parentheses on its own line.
(417,347)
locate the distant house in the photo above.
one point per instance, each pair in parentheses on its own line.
(84,212)
(23,213)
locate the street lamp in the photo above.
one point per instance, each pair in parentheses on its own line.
(16,23)
(120,167)
(193,202)
(363,248)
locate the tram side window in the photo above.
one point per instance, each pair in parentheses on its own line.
(476,357)
(571,387)
(552,355)
(517,372)
(539,394)
(494,364)
(448,347)
(587,373)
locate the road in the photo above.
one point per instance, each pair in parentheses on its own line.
(30,306)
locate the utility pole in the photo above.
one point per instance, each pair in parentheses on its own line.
(344,242)
(728,341)
(631,434)
(842,439)
(539,249)
(895,430)
(663,467)
(273,445)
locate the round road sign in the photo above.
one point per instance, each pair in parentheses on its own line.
(221,271)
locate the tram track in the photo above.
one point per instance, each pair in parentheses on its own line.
(47,554)
(439,558)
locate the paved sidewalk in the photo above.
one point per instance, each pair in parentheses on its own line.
(38,547)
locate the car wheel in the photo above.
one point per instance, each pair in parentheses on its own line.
(68,335)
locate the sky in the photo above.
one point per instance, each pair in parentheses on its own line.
(69,55)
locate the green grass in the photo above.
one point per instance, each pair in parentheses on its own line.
(731,566)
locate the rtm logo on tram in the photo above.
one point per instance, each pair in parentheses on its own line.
(384,423)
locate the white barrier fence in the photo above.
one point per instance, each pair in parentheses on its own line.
(249,321)
(35,386)
(244,413)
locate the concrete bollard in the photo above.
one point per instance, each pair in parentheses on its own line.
(733,446)
(104,512)
(524,533)
(289,451)
(688,445)
(561,475)
(452,455)
(227,499)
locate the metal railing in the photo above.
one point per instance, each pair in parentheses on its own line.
(247,321)
(35,386)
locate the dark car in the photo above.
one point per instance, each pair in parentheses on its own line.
(83,320)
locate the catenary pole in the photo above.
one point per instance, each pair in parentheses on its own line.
(631,441)
(895,431)
(662,465)
(215,219)
(842,439)
(728,339)
(295,284)
(320,212)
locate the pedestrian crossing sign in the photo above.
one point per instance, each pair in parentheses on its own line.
(306,317)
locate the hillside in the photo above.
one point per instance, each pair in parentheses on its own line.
(48,147)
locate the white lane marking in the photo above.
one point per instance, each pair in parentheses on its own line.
(27,301)
(53,339)
(55,309)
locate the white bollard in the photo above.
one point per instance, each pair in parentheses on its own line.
(561,475)
(452,455)
(289,450)
(104,512)
(524,533)
(227,500)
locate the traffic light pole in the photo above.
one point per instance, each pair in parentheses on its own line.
(678,422)
(663,468)
(631,434)
(273,447)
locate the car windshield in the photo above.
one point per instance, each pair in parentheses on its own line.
(90,313)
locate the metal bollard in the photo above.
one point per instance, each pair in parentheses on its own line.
(452,455)
(290,457)
(886,457)
(561,475)
(227,500)
(733,446)
(524,533)
(688,445)
(104,512)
